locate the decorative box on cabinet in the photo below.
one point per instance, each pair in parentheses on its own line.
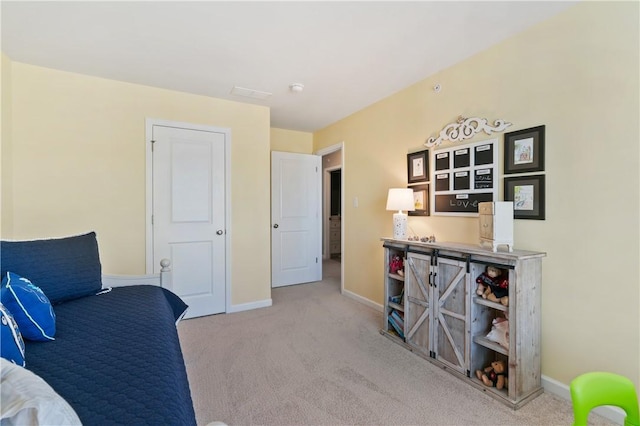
(447,323)
(496,224)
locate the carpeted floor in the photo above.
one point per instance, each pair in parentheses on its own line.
(317,358)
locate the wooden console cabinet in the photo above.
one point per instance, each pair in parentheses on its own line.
(432,309)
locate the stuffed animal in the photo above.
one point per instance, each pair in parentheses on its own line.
(493,286)
(396,265)
(499,332)
(494,375)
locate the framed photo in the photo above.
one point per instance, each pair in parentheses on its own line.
(527,194)
(418,166)
(524,151)
(421,200)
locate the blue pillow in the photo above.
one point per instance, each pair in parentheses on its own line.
(11,343)
(30,307)
(64,268)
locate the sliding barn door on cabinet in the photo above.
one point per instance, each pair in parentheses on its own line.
(437,308)
(451,331)
(419,306)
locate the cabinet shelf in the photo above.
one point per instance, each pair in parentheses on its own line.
(489,344)
(391,334)
(497,306)
(502,393)
(396,306)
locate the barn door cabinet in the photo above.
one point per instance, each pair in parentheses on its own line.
(445,322)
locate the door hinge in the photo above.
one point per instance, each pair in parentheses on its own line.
(316,260)
(152,144)
(152,219)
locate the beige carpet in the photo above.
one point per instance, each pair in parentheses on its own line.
(317,358)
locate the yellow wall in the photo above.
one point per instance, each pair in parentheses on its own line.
(78,158)
(577,74)
(291,141)
(6,167)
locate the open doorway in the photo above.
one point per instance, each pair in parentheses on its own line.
(332,212)
(335,214)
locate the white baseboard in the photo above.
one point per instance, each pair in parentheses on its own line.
(251,305)
(561,390)
(363,300)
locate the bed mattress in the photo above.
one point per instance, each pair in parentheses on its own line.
(116,358)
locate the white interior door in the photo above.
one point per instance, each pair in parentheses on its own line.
(189,214)
(296,243)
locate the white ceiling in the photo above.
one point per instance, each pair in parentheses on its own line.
(347,55)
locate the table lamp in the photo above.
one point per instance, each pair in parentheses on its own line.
(400,199)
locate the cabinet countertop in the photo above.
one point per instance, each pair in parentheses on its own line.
(468,248)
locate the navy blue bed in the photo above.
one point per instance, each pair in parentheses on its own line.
(116,357)
(112,372)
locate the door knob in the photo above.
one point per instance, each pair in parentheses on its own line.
(275,226)
(219,232)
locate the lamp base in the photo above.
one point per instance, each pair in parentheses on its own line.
(399,226)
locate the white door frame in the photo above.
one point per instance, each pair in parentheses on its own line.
(322,152)
(149,123)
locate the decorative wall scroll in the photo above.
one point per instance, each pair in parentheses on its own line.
(464,176)
(466,128)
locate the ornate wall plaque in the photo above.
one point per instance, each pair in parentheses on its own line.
(465,128)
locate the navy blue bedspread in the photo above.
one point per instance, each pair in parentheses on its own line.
(117,358)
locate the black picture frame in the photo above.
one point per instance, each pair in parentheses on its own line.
(528,196)
(524,150)
(421,200)
(418,166)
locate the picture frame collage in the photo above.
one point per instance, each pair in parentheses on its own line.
(418,180)
(452,181)
(524,157)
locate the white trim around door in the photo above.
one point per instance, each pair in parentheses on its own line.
(324,151)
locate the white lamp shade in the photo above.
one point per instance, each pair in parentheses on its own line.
(400,199)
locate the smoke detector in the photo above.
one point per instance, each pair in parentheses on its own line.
(296,87)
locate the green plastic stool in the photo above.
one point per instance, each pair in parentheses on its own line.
(591,390)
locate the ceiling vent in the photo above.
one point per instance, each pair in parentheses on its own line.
(249,93)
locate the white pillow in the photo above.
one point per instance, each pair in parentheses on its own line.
(27,399)
(500,332)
